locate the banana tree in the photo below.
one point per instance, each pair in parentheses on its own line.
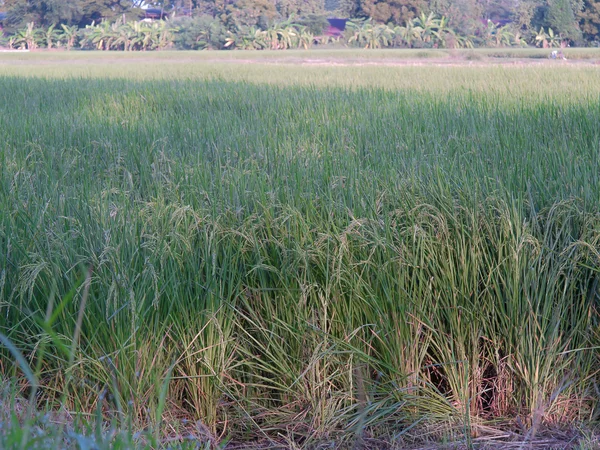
(372,36)
(100,36)
(271,37)
(68,35)
(487,34)
(464,41)
(407,35)
(354,31)
(232,41)
(28,38)
(504,36)
(305,38)
(541,38)
(124,40)
(136,35)
(442,31)
(547,40)
(51,36)
(288,37)
(427,28)
(554,40)
(149,37)
(451,39)
(518,40)
(325,39)
(142,35)
(253,39)
(12,42)
(164,34)
(383,36)
(293,35)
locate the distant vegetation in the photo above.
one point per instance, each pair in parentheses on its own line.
(207,33)
(285,24)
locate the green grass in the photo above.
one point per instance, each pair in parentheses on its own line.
(301,254)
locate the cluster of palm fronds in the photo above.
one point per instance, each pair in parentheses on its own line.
(423,31)
(429,31)
(119,35)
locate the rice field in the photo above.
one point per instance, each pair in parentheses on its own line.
(298,252)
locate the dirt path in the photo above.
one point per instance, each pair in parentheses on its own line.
(459,60)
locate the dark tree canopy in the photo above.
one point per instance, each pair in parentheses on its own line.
(590,20)
(74,12)
(571,19)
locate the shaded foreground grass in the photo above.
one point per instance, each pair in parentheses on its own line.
(304,264)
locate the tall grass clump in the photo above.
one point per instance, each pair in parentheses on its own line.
(296,264)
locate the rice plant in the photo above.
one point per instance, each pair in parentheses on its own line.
(204,253)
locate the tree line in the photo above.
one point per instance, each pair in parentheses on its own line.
(227,24)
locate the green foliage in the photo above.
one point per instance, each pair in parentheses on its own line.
(251,13)
(548,39)
(500,36)
(300,8)
(572,20)
(28,38)
(497,10)
(315,24)
(369,35)
(280,36)
(41,12)
(128,36)
(51,37)
(199,33)
(45,13)
(395,11)
(343,8)
(524,15)
(590,20)
(463,15)
(206,32)
(424,31)
(561,17)
(300,261)
(69,36)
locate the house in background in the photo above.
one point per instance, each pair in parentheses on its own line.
(497,22)
(155,14)
(336,27)
(151,13)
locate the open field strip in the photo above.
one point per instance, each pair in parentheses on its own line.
(299,254)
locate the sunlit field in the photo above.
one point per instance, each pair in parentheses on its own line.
(347,249)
